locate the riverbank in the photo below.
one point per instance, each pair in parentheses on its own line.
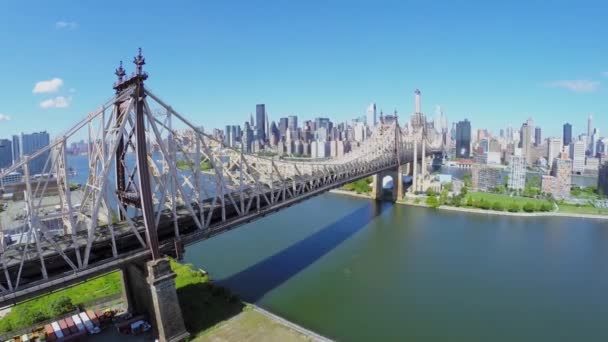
(257,324)
(507,213)
(483,211)
(350,193)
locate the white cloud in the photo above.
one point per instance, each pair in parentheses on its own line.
(57,102)
(50,86)
(4,117)
(577,86)
(66,25)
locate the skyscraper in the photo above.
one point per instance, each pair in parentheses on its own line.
(589,131)
(292,122)
(567,134)
(554,147)
(537,137)
(16,148)
(6,153)
(31,143)
(463,139)
(577,154)
(371,115)
(525,135)
(517,172)
(260,122)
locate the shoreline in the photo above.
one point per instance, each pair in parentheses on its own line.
(483,211)
(280,320)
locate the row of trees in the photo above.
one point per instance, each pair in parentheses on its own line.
(26,315)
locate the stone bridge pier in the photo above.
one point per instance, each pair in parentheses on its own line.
(397,191)
(149,288)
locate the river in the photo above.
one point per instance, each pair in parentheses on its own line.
(356,270)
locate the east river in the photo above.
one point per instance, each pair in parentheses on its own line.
(356,270)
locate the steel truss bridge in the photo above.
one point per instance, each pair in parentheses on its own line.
(140,210)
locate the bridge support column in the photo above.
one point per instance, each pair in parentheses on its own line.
(150,289)
(399,181)
(377,187)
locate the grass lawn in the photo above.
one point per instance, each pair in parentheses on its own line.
(21,314)
(251,325)
(571,208)
(505,199)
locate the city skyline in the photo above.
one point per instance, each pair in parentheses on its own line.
(322,73)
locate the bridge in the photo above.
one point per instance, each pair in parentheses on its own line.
(157,183)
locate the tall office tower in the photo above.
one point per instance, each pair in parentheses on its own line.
(537,137)
(517,172)
(31,143)
(260,122)
(589,131)
(6,153)
(593,142)
(525,142)
(417,98)
(251,122)
(283,122)
(233,135)
(577,154)
(267,129)
(567,134)
(554,147)
(371,115)
(16,148)
(247,138)
(502,133)
(509,134)
(292,122)
(227,133)
(463,139)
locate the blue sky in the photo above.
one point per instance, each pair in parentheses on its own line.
(496,64)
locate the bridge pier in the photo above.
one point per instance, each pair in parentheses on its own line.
(150,288)
(397,192)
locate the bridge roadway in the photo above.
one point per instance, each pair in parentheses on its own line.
(60,275)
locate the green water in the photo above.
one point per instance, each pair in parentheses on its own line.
(356,270)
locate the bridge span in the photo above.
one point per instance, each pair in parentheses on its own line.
(131,216)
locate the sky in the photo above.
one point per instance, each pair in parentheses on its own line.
(495,63)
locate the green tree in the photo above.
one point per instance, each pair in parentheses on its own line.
(62,306)
(514,207)
(432,202)
(498,206)
(469,201)
(464,191)
(443,197)
(430,192)
(448,186)
(467,179)
(529,207)
(546,207)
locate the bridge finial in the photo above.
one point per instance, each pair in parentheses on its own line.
(139,62)
(120,73)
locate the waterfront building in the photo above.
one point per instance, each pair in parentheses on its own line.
(31,143)
(485,177)
(562,172)
(592,164)
(463,139)
(567,134)
(577,154)
(12,178)
(6,153)
(602,179)
(517,172)
(589,133)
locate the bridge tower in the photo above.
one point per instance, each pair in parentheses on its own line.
(149,287)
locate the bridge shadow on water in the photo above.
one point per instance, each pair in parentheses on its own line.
(261,278)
